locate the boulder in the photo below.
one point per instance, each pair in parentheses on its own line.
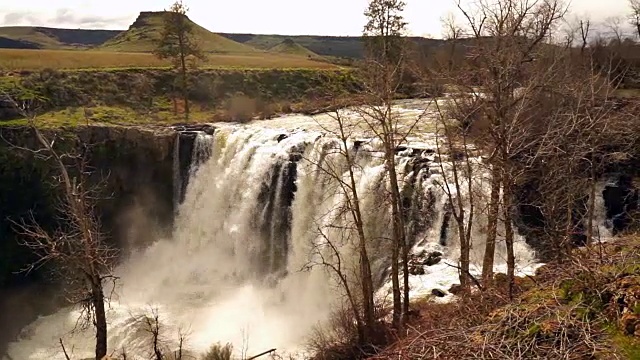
(455,289)
(438,293)
(433,258)
(415,269)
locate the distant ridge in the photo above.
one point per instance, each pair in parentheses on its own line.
(6,43)
(145,31)
(141,35)
(30,37)
(337,46)
(290,47)
(334,46)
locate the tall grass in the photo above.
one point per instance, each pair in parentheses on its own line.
(19,59)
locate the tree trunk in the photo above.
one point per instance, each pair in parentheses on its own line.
(100,317)
(591,208)
(395,278)
(465,250)
(509,237)
(185,89)
(398,238)
(492,228)
(569,225)
(368,307)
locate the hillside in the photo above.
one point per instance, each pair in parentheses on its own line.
(142,34)
(6,43)
(33,37)
(335,46)
(290,47)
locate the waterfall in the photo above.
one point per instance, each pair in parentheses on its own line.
(602,227)
(244,264)
(177,177)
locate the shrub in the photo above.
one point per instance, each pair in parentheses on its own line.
(219,352)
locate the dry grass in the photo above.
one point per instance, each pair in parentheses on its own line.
(570,310)
(18,59)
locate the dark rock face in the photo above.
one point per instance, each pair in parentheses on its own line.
(438,293)
(135,165)
(621,196)
(136,203)
(621,200)
(419,261)
(433,258)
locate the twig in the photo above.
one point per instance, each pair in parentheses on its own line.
(64,350)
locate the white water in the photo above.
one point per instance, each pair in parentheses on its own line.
(233,269)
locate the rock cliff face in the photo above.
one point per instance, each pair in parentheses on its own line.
(134,165)
(141,170)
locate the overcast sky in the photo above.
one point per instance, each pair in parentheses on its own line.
(291,17)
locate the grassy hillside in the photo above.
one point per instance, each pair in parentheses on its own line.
(145,31)
(80,37)
(322,45)
(145,95)
(334,46)
(290,47)
(20,59)
(32,37)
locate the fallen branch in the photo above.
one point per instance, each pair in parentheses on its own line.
(262,354)
(473,278)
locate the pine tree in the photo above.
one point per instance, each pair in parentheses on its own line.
(177,42)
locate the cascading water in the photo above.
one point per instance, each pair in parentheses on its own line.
(244,264)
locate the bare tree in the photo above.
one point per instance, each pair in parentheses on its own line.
(458,176)
(383,70)
(78,249)
(615,29)
(585,27)
(340,166)
(634,17)
(506,42)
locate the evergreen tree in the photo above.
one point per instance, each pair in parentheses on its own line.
(177,42)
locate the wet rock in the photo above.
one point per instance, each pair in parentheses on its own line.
(456,289)
(415,269)
(621,199)
(206,128)
(281,137)
(438,293)
(433,258)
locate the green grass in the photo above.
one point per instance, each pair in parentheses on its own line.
(145,32)
(112,115)
(19,59)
